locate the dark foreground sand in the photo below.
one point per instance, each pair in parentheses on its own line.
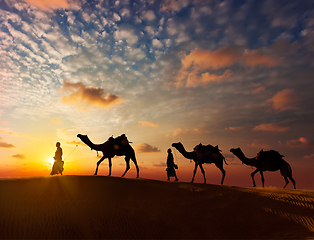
(111,207)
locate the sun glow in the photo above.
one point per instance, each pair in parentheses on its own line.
(49,162)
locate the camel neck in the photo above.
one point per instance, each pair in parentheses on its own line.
(188,155)
(88,142)
(245,160)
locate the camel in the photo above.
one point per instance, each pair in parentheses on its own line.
(266,161)
(201,158)
(110,149)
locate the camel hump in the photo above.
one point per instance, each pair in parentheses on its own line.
(208,148)
(273,154)
(119,141)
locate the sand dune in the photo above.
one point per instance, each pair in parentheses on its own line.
(110,207)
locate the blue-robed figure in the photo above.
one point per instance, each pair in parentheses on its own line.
(171,166)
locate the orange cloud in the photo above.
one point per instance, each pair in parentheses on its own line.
(259,89)
(55,120)
(254,57)
(199,131)
(145,123)
(256,144)
(173,5)
(189,131)
(194,79)
(309,157)
(195,66)
(284,100)
(299,143)
(82,96)
(6,145)
(271,127)
(234,128)
(4,122)
(146,148)
(48,4)
(203,59)
(20,156)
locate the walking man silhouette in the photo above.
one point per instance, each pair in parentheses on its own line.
(171,172)
(58,164)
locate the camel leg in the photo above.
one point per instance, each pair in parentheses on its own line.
(137,168)
(287,173)
(252,175)
(287,181)
(194,172)
(220,166)
(110,165)
(262,177)
(127,162)
(202,169)
(292,180)
(98,163)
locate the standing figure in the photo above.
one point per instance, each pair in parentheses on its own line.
(58,164)
(171,172)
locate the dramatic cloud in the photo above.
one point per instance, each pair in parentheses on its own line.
(146,148)
(271,127)
(284,100)
(20,156)
(48,4)
(83,96)
(145,123)
(195,66)
(298,143)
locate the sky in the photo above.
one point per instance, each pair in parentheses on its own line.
(227,73)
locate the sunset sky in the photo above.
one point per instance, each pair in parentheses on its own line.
(228,73)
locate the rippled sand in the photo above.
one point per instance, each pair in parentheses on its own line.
(111,207)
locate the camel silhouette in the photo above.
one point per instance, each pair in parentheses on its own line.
(202,157)
(266,161)
(111,148)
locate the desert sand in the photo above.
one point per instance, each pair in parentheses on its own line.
(100,207)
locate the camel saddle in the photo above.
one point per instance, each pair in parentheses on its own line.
(204,150)
(118,142)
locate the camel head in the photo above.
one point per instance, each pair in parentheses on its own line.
(235,151)
(177,145)
(84,139)
(81,136)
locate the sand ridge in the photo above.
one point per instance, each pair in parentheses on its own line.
(99,207)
